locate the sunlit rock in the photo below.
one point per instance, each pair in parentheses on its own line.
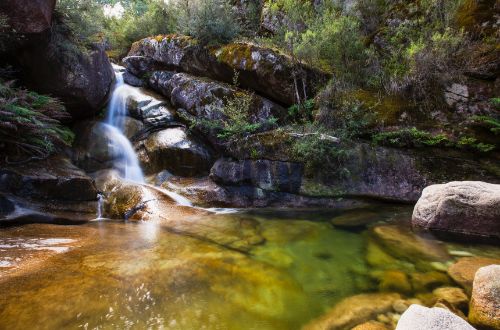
(485,301)
(177,151)
(467,209)
(419,317)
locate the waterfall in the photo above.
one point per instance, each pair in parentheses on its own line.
(126,163)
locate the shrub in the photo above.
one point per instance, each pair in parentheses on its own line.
(302,113)
(30,123)
(321,154)
(209,21)
(411,138)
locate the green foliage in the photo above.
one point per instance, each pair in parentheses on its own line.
(414,138)
(495,101)
(141,19)
(30,123)
(472,144)
(302,113)
(411,138)
(334,42)
(492,123)
(319,153)
(209,21)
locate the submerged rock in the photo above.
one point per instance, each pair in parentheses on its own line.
(354,310)
(464,270)
(485,301)
(465,209)
(175,150)
(455,296)
(423,318)
(404,244)
(141,202)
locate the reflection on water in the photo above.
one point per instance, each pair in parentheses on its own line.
(142,275)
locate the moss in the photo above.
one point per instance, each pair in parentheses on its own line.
(236,55)
(473,13)
(388,108)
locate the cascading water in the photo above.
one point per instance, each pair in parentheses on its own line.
(126,163)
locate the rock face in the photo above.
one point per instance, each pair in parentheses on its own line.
(203,98)
(60,180)
(173,149)
(263,70)
(82,80)
(466,209)
(33,16)
(423,318)
(354,310)
(264,174)
(485,302)
(464,270)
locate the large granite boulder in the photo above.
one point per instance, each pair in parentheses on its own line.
(485,302)
(466,209)
(81,79)
(422,318)
(266,71)
(32,16)
(203,98)
(59,180)
(175,150)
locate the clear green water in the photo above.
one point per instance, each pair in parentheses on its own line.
(141,275)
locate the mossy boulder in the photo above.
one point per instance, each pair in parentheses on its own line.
(264,70)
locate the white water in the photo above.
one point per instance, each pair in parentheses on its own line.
(127,163)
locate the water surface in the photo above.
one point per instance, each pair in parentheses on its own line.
(115,275)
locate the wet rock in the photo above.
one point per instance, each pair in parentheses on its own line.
(355,310)
(464,270)
(402,243)
(420,318)
(138,65)
(133,80)
(264,174)
(158,113)
(395,281)
(467,209)
(82,80)
(28,16)
(140,202)
(455,296)
(6,205)
(354,219)
(371,325)
(93,149)
(485,301)
(423,282)
(59,180)
(264,70)
(204,191)
(173,149)
(131,127)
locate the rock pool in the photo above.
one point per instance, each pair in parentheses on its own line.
(290,267)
